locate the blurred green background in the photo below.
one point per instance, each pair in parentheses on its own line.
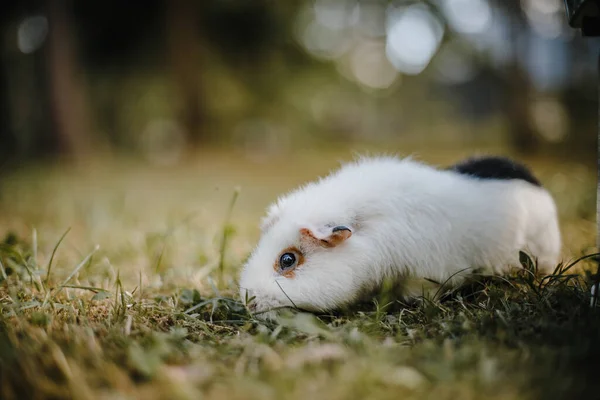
(160,79)
(165,106)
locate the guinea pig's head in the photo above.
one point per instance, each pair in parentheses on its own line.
(303,266)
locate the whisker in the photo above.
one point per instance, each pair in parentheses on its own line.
(288,297)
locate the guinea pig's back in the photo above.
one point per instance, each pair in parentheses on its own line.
(435,223)
(490,221)
(431,222)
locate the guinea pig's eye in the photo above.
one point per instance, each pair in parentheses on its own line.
(287,261)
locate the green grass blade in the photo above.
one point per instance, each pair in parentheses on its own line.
(49,269)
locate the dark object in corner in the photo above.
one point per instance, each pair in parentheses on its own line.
(584,15)
(495,167)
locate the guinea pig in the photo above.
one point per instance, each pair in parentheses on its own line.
(328,242)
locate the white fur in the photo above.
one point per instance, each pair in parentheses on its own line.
(408,220)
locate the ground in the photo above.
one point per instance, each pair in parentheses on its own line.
(118,281)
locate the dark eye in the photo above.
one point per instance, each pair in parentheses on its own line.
(287,261)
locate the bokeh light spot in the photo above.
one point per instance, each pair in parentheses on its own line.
(545,17)
(468,16)
(371,67)
(550,118)
(32,33)
(324,42)
(336,14)
(414,35)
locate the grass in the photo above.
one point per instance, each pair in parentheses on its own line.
(118,281)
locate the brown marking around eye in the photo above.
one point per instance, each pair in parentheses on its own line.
(306,234)
(299,261)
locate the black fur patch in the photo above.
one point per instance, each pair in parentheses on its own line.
(494,167)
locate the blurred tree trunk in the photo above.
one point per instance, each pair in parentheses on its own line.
(522,133)
(184,50)
(516,108)
(7,142)
(7,137)
(67,92)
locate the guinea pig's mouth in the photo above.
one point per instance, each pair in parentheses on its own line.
(270,312)
(269,307)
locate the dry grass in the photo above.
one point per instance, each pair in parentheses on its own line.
(146,315)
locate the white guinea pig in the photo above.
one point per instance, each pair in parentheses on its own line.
(330,241)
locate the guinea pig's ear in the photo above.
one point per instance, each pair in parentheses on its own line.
(327,237)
